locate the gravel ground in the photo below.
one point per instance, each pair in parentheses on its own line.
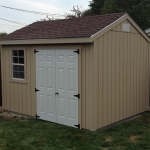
(11,115)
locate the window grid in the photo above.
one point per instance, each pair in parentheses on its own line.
(18,64)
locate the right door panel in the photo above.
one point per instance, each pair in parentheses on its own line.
(67,87)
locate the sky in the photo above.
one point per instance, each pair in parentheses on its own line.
(46,6)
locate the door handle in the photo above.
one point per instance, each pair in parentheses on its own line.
(56,93)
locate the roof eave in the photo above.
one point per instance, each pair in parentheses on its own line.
(47,41)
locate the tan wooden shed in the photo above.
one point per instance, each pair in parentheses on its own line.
(85,72)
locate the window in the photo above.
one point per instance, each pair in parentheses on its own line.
(18,64)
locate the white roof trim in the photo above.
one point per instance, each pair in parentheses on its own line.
(108,25)
(47,41)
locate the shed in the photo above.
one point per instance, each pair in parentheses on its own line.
(85,72)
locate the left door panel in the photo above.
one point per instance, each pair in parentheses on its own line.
(45,83)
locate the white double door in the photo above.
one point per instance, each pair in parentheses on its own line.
(57,82)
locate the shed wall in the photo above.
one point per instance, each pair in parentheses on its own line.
(115,78)
(19,96)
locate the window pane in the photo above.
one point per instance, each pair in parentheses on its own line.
(14,53)
(15,68)
(18,59)
(21,60)
(15,74)
(21,75)
(21,68)
(15,60)
(20,52)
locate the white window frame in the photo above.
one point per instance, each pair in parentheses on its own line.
(17,64)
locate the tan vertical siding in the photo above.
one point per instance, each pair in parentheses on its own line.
(113,78)
(109,69)
(18,96)
(117,75)
(125,51)
(3,59)
(89,87)
(100,82)
(83,89)
(128,86)
(121,87)
(105,82)
(120,74)
(96,85)
(29,81)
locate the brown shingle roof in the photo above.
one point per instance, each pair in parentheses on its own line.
(65,28)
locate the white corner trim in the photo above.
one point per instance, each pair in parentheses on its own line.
(108,26)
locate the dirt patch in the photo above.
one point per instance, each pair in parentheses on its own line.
(106,148)
(12,117)
(108,139)
(120,146)
(134,138)
(1,109)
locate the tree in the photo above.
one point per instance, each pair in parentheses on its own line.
(87,12)
(76,13)
(96,6)
(2,34)
(48,19)
(137,9)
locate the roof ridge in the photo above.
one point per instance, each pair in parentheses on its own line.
(81,17)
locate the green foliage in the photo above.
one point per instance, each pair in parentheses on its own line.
(137,9)
(2,34)
(77,12)
(96,6)
(87,12)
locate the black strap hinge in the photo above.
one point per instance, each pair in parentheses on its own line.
(77,51)
(37,117)
(78,126)
(35,51)
(77,96)
(36,90)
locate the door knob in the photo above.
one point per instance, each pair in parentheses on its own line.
(56,93)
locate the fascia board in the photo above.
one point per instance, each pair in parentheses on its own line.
(47,41)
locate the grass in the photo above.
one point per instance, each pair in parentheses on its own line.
(31,134)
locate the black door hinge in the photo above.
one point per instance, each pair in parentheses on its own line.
(77,51)
(37,117)
(36,90)
(77,126)
(77,96)
(35,51)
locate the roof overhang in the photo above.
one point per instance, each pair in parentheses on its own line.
(77,40)
(46,41)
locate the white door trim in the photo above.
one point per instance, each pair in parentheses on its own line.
(69,57)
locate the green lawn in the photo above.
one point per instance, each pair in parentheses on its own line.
(31,134)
